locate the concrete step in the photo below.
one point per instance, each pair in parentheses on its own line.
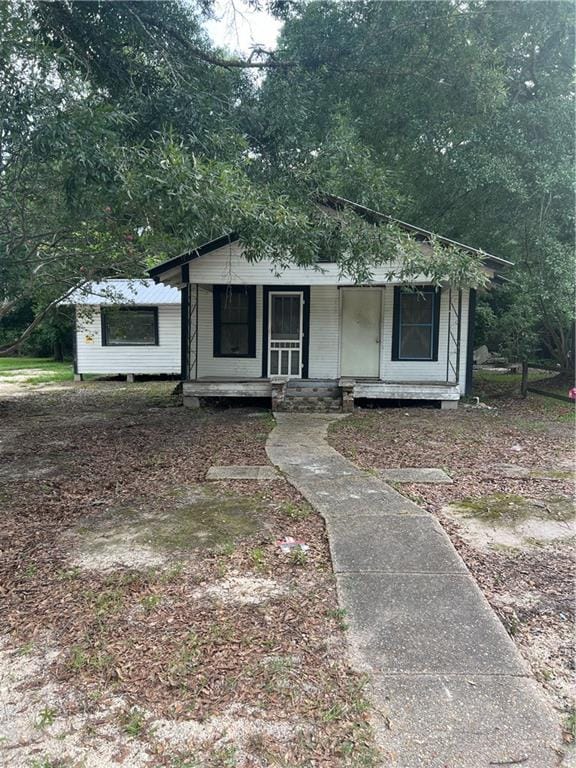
(311,404)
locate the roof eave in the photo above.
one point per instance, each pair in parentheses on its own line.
(488,257)
(187,256)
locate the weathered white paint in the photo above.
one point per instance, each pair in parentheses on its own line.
(406,391)
(93,357)
(324,351)
(415,370)
(324,342)
(200,388)
(227,266)
(361,308)
(207,364)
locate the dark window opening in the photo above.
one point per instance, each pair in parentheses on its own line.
(234,321)
(129,326)
(416,324)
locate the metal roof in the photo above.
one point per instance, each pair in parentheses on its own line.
(116,291)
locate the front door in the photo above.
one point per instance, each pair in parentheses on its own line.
(361,332)
(285,334)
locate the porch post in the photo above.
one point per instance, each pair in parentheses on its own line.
(193,326)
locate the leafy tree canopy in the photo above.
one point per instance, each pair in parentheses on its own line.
(126,137)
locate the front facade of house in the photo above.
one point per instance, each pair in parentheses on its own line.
(252,330)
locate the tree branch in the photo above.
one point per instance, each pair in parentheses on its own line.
(13,345)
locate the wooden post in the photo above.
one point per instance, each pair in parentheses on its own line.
(524,382)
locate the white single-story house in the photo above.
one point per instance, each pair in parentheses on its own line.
(252,330)
(127,327)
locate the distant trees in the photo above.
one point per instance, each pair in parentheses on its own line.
(125,137)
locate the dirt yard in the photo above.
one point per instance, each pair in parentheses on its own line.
(149,618)
(509,511)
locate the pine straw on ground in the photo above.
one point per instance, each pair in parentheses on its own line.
(531,589)
(145,635)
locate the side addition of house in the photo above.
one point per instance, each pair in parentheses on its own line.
(127,327)
(252,330)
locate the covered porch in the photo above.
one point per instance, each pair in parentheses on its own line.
(318,394)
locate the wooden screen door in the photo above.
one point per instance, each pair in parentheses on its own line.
(361,332)
(285,334)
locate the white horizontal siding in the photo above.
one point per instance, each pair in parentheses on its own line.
(324,355)
(227,266)
(208,365)
(414,370)
(93,357)
(324,349)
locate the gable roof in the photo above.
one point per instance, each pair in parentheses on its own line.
(121,291)
(421,234)
(338,203)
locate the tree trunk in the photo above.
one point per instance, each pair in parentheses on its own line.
(58,352)
(524,382)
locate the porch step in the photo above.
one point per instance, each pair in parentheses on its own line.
(312,388)
(315,404)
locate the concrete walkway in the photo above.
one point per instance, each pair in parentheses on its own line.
(449,687)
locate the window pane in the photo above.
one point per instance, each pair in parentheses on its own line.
(416,341)
(130,326)
(234,340)
(285,317)
(417,307)
(295,357)
(234,307)
(284,362)
(274,363)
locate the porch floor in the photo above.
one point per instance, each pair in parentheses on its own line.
(376,389)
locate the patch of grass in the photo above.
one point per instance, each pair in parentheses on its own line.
(82,659)
(339,615)
(203,524)
(25,649)
(258,557)
(171,574)
(570,727)
(46,718)
(106,602)
(509,508)
(68,574)
(133,722)
(149,602)
(37,363)
(298,557)
(49,762)
(296,511)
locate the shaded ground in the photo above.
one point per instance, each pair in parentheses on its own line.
(193,644)
(529,581)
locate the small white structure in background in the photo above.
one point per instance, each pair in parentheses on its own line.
(126,327)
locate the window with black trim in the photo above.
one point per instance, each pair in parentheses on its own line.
(416,323)
(129,326)
(234,320)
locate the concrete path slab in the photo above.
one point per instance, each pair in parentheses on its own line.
(455,689)
(426,624)
(414,475)
(242,472)
(450,721)
(391,544)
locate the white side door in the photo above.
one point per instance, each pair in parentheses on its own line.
(360,354)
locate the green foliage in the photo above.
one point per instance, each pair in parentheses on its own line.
(469,108)
(124,141)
